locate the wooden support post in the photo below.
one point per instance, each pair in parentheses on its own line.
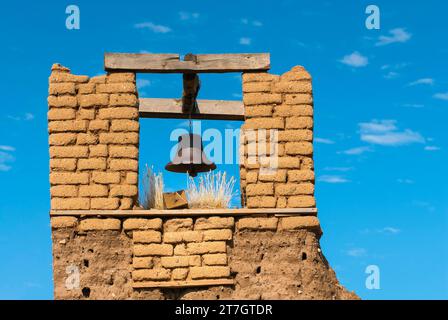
(191,86)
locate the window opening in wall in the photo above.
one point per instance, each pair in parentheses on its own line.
(217,147)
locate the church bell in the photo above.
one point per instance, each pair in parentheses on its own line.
(190,156)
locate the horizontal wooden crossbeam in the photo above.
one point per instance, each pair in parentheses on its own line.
(188,212)
(206,109)
(171,63)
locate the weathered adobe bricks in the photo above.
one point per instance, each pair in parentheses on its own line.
(63,164)
(214,223)
(285,104)
(153,249)
(214,259)
(206,247)
(94,224)
(142,224)
(70,203)
(149,236)
(182,236)
(209,272)
(180,261)
(142,262)
(179,273)
(94,137)
(63,222)
(258,224)
(172,225)
(151,274)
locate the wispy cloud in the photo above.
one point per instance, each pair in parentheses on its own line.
(323,140)
(405,181)
(385,230)
(183,15)
(255,23)
(143,83)
(391,75)
(332,179)
(356,151)
(385,133)
(245,41)
(432,148)
(7,148)
(390,230)
(397,35)
(26,117)
(428,81)
(6,158)
(413,105)
(424,205)
(355,60)
(341,169)
(441,96)
(156,28)
(356,252)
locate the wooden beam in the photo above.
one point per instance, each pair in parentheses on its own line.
(202,63)
(207,109)
(183,284)
(186,212)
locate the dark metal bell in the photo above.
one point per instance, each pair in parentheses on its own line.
(190,156)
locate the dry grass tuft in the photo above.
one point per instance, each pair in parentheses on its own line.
(212,191)
(152,197)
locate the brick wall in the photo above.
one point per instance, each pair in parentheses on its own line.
(94,136)
(281,104)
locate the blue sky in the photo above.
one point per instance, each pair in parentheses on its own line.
(381,104)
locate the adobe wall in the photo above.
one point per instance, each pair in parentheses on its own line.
(280,105)
(268,258)
(94,139)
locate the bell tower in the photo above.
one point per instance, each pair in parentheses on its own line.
(105,247)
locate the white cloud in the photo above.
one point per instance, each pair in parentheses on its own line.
(183,15)
(156,28)
(356,252)
(255,23)
(398,35)
(428,81)
(441,96)
(385,230)
(405,181)
(391,75)
(342,169)
(384,132)
(424,205)
(332,179)
(7,148)
(432,148)
(378,126)
(26,117)
(6,158)
(142,83)
(413,105)
(323,140)
(245,41)
(390,230)
(356,151)
(355,59)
